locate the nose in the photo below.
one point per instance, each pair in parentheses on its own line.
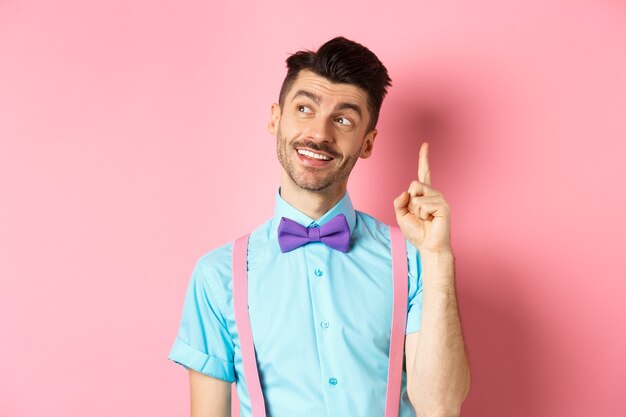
(321,130)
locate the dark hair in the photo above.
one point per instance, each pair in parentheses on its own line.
(341,60)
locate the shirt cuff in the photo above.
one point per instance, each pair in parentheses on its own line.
(189,357)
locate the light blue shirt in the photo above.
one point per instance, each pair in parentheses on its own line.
(320,319)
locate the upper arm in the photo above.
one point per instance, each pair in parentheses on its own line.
(210,397)
(414,308)
(414,314)
(204,342)
(410,351)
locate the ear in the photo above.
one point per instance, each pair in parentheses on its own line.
(272,126)
(368,144)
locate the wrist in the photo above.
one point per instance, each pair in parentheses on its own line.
(442,256)
(438,269)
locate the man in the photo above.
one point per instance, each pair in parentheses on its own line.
(320,316)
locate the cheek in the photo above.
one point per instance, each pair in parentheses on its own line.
(288,123)
(355,146)
(285,132)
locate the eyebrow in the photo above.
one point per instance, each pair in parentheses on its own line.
(317,99)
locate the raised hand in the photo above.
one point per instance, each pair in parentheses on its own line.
(422,213)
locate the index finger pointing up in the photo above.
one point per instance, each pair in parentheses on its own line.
(423,168)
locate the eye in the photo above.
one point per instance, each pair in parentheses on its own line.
(304,109)
(344,121)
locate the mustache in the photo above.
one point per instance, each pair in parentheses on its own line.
(322,147)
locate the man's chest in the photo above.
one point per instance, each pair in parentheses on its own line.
(320,300)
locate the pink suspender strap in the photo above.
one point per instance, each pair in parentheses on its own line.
(400,271)
(240,301)
(398,323)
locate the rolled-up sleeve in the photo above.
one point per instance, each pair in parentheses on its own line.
(414,312)
(203,342)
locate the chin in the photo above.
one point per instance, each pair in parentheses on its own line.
(311,183)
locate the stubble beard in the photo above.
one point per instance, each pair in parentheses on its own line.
(310,179)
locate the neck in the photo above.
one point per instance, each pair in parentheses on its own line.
(312,203)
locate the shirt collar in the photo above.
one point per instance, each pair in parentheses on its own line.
(284,209)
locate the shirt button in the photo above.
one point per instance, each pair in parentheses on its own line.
(319,272)
(325,324)
(333,381)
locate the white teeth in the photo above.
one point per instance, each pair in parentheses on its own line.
(313,155)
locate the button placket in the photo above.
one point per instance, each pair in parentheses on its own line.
(318,268)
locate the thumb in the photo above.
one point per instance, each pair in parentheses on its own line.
(400,204)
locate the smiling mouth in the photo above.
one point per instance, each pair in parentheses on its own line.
(313,155)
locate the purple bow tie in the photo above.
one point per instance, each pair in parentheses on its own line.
(335,234)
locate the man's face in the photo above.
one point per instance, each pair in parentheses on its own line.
(321,131)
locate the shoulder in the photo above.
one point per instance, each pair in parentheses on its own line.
(215,261)
(370,227)
(216,265)
(211,275)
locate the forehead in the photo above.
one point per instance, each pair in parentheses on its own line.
(328,91)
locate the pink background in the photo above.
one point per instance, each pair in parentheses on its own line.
(133,140)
